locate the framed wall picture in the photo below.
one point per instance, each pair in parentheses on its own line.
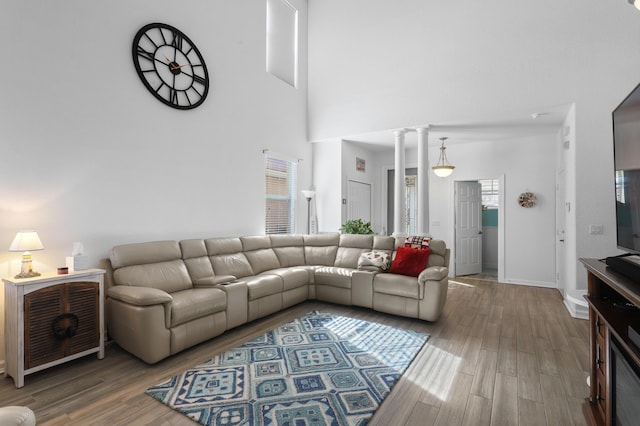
(360,164)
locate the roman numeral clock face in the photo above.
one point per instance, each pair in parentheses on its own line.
(170,66)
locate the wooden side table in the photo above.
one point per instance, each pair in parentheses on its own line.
(52,319)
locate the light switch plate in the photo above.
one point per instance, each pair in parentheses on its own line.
(596,229)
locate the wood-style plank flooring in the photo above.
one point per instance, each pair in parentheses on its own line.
(501,354)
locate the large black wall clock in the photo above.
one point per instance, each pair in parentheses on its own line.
(170,66)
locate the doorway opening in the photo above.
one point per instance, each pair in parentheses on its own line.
(478,228)
(411,186)
(490,208)
(358,201)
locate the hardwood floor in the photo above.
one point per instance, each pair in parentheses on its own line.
(500,355)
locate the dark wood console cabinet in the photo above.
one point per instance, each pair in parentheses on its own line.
(609,318)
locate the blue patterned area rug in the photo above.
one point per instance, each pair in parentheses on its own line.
(320,369)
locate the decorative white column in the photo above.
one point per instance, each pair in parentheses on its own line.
(423,181)
(400,190)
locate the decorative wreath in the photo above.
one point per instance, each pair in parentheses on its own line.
(527,199)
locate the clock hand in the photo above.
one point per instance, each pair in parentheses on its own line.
(163,63)
(171,64)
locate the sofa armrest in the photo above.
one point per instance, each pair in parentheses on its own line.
(139,296)
(433,273)
(216,281)
(434,296)
(237,302)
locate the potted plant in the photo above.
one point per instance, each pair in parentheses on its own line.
(356,226)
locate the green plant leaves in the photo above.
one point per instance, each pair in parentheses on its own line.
(356,226)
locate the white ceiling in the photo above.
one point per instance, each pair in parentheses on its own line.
(511,126)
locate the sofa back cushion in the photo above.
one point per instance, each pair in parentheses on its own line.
(194,254)
(289,249)
(439,255)
(259,253)
(383,243)
(156,264)
(350,248)
(143,253)
(321,249)
(227,257)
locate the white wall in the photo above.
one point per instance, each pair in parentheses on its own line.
(529,233)
(327,180)
(90,155)
(374,66)
(350,152)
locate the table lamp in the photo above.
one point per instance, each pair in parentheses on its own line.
(26,242)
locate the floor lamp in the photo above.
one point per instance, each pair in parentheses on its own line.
(308,194)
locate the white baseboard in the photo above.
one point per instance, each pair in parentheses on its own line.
(532,283)
(576,311)
(576,305)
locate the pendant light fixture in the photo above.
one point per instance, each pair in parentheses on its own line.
(636,3)
(443,168)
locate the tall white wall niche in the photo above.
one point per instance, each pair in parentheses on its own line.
(282,41)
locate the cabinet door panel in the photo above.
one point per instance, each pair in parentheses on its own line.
(83,300)
(41,307)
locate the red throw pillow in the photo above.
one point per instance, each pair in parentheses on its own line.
(410,261)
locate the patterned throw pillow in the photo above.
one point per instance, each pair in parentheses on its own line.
(417,242)
(376,259)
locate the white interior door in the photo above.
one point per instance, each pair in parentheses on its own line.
(468,215)
(358,201)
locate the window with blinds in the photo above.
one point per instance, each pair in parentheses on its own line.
(490,193)
(281,178)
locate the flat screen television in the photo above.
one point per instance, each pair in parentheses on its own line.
(626,157)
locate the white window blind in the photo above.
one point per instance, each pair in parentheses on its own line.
(489,193)
(281,182)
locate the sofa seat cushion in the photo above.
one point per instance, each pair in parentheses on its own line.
(192,304)
(292,277)
(333,276)
(397,285)
(263,286)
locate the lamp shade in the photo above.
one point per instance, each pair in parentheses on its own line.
(26,241)
(308,193)
(443,168)
(443,171)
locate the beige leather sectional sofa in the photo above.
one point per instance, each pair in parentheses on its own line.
(165,296)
